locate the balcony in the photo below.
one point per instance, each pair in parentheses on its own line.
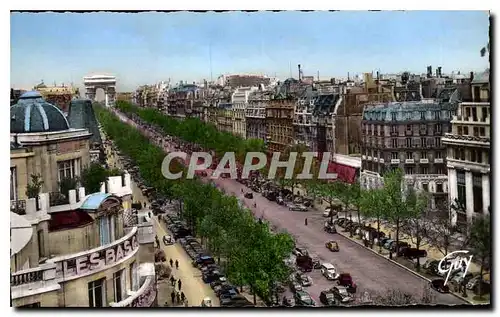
(395,161)
(381,160)
(410,161)
(438,160)
(34,281)
(369,158)
(57,199)
(424,161)
(408,133)
(375,159)
(18,207)
(394,133)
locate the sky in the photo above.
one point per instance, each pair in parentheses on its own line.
(144,48)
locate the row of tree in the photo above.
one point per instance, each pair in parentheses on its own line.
(251,253)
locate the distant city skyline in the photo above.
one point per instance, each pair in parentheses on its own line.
(145,48)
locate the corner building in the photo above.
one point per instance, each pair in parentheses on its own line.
(70,248)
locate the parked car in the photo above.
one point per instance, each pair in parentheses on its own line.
(295,286)
(305,263)
(439,285)
(300,251)
(388,243)
(226,288)
(298,207)
(206,302)
(459,278)
(341,294)
(327,298)
(303,299)
(329,271)
(203,260)
(249,195)
(346,280)
(209,277)
(287,302)
(168,240)
(329,227)
(332,246)
(329,212)
(412,253)
(303,279)
(401,244)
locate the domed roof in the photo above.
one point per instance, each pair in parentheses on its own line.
(33,114)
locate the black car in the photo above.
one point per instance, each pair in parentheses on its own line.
(327,298)
(303,299)
(249,195)
(209,277)
(439,285)
(226,289)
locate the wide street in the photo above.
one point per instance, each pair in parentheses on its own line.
(370,272)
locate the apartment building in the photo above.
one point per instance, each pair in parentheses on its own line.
(279,123)
(225,117)
(239,99)
(468,153)
(255,115)
(407,135)
(70,248)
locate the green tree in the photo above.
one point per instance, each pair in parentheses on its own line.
(33,189)
(92,177)
(373,205)
(417,203)
(480,243)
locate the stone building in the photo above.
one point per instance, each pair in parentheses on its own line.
(225,117)
(255,116)
(349,112)
(239,99)
(407,135)
(70,248)
(279,124)
(468,153)
(303,123)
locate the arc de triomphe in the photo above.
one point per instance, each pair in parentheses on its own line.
(106,82)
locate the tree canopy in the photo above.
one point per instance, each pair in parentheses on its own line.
(252,254)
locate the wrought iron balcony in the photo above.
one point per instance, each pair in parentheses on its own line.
(18,207)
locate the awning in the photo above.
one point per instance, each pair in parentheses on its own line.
(345,173)
(65,220)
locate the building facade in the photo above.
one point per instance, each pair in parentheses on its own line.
(279,124)
(407,135)
(468,154)
(255,115)
(70,248)
(225,117)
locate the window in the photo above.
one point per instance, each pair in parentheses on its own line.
(461,196)
(456,153)
(134,278)
(425,187)
(459,130)
(439,155)
(476,131)
(439,188)
(423,155)
(484,113)
(467,113)
(474,114)
(97,293)
(13,183)
(408,142)
(439,170)
(437,115)
(107,227)
(409,170)
(425,170)
(41,244)
(394,155)
(422,115)
(466,130)
(394,143)
(408,127)
(424,142)
(68,169)
(394,128)
(409,155)
(482,131)
(438,128)
(462,154)
(473,155)
(438,142)
(118,285)
(393,116)
(477,192)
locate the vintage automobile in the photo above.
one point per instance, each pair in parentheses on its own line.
(249,195)
(299,251)
(346,280)
(303,299)
(327,298)
(329,227)
(206,302)
(332,246)
(295,286)
(168,240)
(439,285)
(303,279)
(341,294)
(305,263)
(287,302)
(298,207)
(329,271)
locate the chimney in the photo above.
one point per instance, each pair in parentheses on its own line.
(429,71)
(348,77)
(471,76)
(300,73)
(378,75)
(439,71)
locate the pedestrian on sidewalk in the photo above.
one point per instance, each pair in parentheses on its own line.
(305,221)
(179,284)
(172,280)
(171,262)
(172,295)
(183,297)
(176,264)
(178,297)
